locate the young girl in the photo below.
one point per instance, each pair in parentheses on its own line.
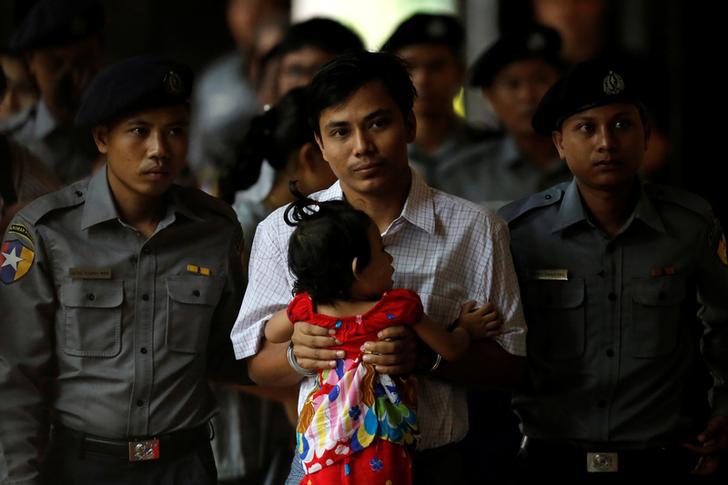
(357,425)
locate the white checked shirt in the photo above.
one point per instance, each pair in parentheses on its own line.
(444,248)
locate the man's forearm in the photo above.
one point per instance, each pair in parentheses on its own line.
(486,365)
(269,367)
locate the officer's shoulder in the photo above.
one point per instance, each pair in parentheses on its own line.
(46,205)
(207,205)
(513,211)
(681,199)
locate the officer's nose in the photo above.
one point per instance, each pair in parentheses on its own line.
(158,145)
(606,141)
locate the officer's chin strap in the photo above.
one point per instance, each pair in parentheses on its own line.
(523,449)
(212,430)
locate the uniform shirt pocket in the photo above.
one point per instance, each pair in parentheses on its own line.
(92,317)
(656,314)
(556,318)
(191,303)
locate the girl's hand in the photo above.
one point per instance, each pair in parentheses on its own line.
(394,353)
(483,322)
(310,346)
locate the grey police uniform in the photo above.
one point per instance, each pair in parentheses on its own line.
(612,341)
(115,333)
(495,172)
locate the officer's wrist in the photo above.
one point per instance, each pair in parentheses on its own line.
(293,363)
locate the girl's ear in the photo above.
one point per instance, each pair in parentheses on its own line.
(354,270)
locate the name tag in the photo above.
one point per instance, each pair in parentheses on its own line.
(90,273)
(550,274)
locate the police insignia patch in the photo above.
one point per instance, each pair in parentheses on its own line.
(20,230)
(721,251)
(15,261)
(173,83)
(613,83)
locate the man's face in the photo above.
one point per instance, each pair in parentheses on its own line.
(437,75)
(145,151)
(62,73)
(298,67)
(365,142)
(603,146)
(516,91)
(20,90)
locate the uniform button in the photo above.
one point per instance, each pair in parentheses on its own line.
(79,193)
(91,296)
(140,403)
(145,297)
(612,296)
(610,353)
(601,404)
(143,350)
(133,260)
(661,295)
(601,273)
(548,196)
(196,292)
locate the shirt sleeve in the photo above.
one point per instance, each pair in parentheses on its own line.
(712,284)
(28,302)
(268,290)
(221,357)
(501,289)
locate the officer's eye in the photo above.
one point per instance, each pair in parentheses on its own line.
(177,130)
(139,131)
(623,124)
(585,127)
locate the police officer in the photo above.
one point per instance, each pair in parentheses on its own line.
(62,43)
(432,45)
(610,269)
(118,295)
(513,74)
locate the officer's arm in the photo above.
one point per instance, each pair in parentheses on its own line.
(222,365)
(28,305)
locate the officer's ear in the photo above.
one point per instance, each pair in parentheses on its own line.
(101,138)
(558,139)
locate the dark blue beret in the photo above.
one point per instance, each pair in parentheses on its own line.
(134,84)
(589,84)
(58,22)
(538,42)
(425,28)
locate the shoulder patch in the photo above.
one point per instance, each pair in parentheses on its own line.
(16,259)
(682,198)
(516,209)
(22,231)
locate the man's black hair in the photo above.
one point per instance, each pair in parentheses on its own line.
(325,34)
(341,77)
(328,236)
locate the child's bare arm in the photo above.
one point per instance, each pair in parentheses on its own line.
(279,328)
(480,323)
(450,345)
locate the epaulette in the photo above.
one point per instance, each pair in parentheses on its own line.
(516,209)
(199,199)
(70,196)
(672,195)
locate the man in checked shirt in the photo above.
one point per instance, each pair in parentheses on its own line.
(444,248)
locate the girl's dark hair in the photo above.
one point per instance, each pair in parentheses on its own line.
(272,136)
(328,236)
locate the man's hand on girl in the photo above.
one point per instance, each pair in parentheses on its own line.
(394,353)
(311,346)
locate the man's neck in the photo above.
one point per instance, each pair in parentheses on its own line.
(432,129)
(141,213)
(383,208)
(538,149)
(610,207)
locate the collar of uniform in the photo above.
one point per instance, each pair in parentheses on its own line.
(179,204)
(419,208)
(571,210)
(45,123)
(99,206)
(646,212)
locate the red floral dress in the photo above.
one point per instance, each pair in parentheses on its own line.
(358,426)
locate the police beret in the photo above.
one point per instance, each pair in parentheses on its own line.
(535,42)
(587,85)
(134,84)
(425,28)
(57,22)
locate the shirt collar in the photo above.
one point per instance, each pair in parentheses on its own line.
(419,208)
(572,210)
(100,206)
